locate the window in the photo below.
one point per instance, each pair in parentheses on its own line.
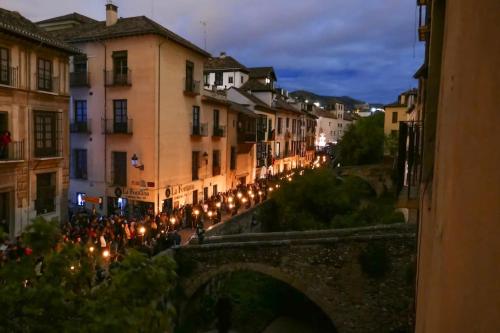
(278,149)
(219,78)
(287,123)
(206,79)
(80,163)
(4,66)
(45,193)
(195,196)
(44,74)
(394,117)
(287,148)
(216,118)
(205,193)
(189,76)
(294,126)
(216,163)
(195,165)
(80,112)
(261,154)
(196,120)
(120,65)
(232,165)
(120,119)
(47,133)
(119,168)
(242,79)
(230,79)
(80,64)
(214,190)
(280,125)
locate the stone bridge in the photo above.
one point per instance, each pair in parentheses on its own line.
(362,278)
(379,176)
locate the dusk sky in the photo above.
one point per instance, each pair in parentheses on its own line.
(366,49)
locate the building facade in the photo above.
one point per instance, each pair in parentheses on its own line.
(145,138)
(34,103)
(458,250)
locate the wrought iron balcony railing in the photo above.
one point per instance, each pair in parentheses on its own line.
(13,151)
(219,131)
(198,130)
(9,77)
(47,83)
(118,78)
(80,127)
(192,87)
(79,79)
(115,126)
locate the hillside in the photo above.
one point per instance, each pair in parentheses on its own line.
(327,100)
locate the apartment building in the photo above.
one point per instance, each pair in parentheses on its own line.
(398,111)
(224,72)
(144,136)
(458,251)
(34,103)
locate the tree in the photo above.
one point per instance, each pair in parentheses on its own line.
(66,297)
(363,142)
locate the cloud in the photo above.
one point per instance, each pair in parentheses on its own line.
(362,48)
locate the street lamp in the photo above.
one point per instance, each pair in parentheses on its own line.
(239,195)
(135,162)
(105,254)
(172,220)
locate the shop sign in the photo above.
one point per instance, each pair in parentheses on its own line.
(143,183)
(181,189)
(92,200)
(136,194)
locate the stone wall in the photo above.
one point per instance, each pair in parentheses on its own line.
(324,266)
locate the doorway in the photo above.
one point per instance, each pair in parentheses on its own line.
(5,212)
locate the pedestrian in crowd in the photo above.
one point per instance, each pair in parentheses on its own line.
(5,139)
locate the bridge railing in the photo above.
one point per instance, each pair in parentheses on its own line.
(377,230)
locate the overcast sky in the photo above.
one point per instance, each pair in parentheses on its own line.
(362,48)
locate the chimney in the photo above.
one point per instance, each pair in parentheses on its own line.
(223,54)
(111,14)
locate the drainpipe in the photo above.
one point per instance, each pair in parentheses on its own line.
(158,130)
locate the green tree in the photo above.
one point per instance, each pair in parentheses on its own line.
(65,298)
(363,142)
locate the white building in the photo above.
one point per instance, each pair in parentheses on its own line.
(224,72)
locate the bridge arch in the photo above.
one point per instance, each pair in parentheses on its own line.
(195,284)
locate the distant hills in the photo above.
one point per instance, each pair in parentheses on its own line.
(349,102)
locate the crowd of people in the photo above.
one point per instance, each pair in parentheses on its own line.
(112,235)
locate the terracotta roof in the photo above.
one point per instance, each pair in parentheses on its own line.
(421,72)
(124,27)
(224,63)
(243,109)
(324,114)
(16,24)
(395,105)
(254,85)
(69,17)
(262,72)
(282,105)
(257,101)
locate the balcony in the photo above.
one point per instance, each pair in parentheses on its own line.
(111,126)
(10,77)
(198,130)
(192,87)
(80,127)
(47,83)
(79,79)
(270,135)
(261,136)
(219,131)
(122,78)
(246,137)
(14,152)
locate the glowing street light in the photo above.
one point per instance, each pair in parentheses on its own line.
(105,254)
(91,249)
(210,213)
(218,205)
(172,220)
(244,200)
(239,195)
(142,230)
(230,199)
(260,192)
(271,189)
(72,268)
(196,212)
